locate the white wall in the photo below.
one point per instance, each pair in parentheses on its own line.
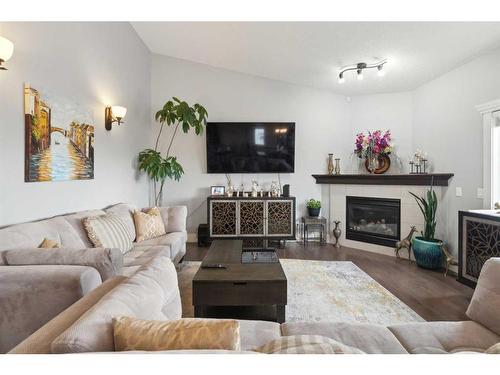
(94,64)
(322,126)
(449,128)
(385,111)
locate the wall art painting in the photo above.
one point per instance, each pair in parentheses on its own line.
(59,138)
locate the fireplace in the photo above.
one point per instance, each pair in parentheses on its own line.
(373,220)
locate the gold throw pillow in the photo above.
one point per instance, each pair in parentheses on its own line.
(150,335)
(49,244)
(148,224)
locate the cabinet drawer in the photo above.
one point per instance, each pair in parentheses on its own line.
(229,293)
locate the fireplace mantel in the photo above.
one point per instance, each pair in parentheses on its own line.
(436,179)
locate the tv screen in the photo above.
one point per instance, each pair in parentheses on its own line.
(235,147)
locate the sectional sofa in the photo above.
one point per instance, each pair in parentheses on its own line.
(152,294)
(146,288)
(37,284)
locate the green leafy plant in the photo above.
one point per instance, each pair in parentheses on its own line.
(158,167)
(428,206)
(313,203)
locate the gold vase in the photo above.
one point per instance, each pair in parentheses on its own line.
(330,164)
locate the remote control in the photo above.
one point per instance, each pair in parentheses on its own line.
(219,266)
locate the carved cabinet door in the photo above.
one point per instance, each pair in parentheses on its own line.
(252,216)
(223,215)
(280,220)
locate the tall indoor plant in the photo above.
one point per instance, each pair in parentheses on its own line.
(426,248)
(160,167)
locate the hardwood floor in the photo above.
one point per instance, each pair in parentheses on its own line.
(432,295)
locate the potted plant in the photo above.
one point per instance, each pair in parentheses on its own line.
(158,167)
(427,249)
(313,207)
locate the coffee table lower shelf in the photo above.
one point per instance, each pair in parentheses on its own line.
(275,313)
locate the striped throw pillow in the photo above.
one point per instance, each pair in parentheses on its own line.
(306,344)
(108,231)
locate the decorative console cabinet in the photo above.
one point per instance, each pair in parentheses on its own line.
(247,217)
(479,240)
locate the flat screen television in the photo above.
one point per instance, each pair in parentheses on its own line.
(256,147)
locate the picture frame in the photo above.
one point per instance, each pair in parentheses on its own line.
(218,190)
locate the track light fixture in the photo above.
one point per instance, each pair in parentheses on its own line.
(359,67)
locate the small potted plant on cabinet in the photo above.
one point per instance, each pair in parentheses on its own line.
(313,207)
(427,249)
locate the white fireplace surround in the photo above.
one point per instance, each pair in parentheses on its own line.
(410,212)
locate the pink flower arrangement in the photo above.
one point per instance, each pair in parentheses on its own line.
(373,144)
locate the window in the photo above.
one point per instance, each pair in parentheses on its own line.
(495,160)
(259,137)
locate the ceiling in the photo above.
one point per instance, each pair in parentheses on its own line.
(310,53)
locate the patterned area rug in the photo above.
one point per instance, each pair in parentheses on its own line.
(325,291)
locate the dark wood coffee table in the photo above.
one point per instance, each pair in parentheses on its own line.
(238,285)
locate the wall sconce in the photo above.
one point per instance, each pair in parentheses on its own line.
(6,51)
(114,114)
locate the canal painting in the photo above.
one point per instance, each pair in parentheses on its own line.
(59,138)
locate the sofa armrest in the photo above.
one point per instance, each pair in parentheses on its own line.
(30,296)
(108,262)
(174,218)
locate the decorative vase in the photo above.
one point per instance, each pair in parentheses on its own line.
(337,232)
(313,212)
(378,164)
(330,164)
(427,253)
(337,166)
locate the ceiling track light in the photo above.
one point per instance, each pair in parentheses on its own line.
(360,67)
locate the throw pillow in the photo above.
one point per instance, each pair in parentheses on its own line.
(150,335)
(49,244)
(148,224)
(108,231)
(306,344)
(495,349)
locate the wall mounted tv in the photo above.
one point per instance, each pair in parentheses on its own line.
(256,147)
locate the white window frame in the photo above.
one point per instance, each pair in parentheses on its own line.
(487,110)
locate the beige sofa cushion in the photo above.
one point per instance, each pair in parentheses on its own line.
(30,235)
(306,344)
(30,296)
(255,333)
(151,293)
(369,338)
(174,218)
(140,255)
(108,231)
(447,337)
(148,224)
(176,241)
(125,211)
(212,334)
(40,341)
(484,307)
(108,262)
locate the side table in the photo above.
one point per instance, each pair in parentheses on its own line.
(315,223)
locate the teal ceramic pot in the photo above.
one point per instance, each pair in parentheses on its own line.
(428,254)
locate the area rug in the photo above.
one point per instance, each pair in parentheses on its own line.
(321,291)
